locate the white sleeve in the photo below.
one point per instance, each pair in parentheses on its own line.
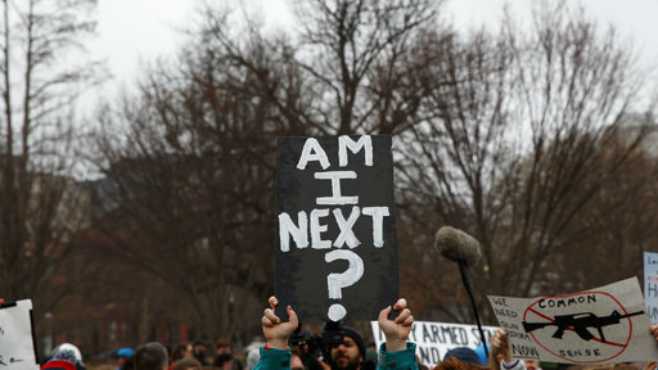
(513,365)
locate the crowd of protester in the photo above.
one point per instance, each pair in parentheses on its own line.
(339,347)
(191,356)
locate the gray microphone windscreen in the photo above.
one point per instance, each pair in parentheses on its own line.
(457,246)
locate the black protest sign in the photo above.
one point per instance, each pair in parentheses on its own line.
(337,252)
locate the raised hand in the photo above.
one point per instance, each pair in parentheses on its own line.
(396,331)
(500,349)
(653,329)
(277,332)
(652,365)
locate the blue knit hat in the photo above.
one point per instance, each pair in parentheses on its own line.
(482,356)
(125,352)
(463,354)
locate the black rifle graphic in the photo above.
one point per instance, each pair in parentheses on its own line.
(579,322)
(11,360)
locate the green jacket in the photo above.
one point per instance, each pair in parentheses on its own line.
(278,359)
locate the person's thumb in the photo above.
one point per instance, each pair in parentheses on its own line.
(292,317)
(383,314)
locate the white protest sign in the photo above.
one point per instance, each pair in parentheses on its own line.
(434,339)
(651,285)
(16,343)
(602,325)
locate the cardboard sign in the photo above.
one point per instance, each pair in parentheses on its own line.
(651,285)
(602,325)
(336,247)
(434,339)
(17,347)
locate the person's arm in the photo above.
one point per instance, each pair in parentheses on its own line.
(397,352)
(651,365)
(276,353)
(501,353)
(273,359)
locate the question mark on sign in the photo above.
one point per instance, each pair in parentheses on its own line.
(336,282)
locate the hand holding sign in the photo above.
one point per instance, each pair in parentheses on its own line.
(337,253)
(275,331)
(278,332)
(500,349)
(397,330)
(653,329)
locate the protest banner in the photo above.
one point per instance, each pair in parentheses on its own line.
(434,339)
(602,325)
(336,249)
(17,347)
(651,285)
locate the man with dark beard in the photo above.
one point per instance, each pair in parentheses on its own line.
(347,350)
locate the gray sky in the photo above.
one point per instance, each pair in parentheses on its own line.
(132,32)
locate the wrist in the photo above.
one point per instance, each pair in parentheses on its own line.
(396,345)
(277,344)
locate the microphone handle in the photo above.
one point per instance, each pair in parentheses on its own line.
(467,285)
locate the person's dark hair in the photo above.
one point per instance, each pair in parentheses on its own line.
(187,364)
(453,363)
(200,353)
(178,353)
(309,358)
(222,343)
(151,356)
(222,359)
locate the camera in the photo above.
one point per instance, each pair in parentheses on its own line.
(316,348)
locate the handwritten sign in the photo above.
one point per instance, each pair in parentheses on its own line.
(17,350)
(602,325)
(336,250)
(434,339)
(651,285)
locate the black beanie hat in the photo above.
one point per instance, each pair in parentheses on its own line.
(334,329)
(350,332)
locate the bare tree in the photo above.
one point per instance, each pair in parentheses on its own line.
(612,232)
(200,140)
(353,45)
(353,58)
(511,144)
(509,135)
(41,205)
(192,173)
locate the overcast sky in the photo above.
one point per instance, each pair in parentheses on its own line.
(132,32)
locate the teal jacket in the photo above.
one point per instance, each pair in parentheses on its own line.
(278,359)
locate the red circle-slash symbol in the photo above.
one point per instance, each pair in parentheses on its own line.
(611,348)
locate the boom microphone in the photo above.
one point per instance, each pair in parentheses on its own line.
(457,246)
(464,249)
